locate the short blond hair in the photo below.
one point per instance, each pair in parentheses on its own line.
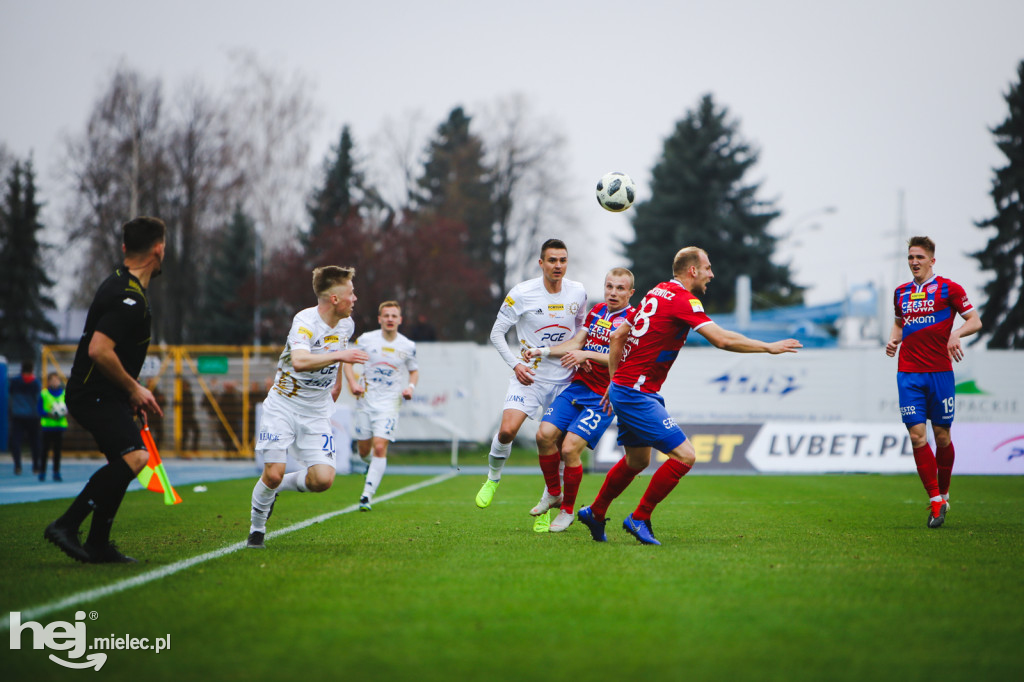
(329,276)
(622,272)
(389,304)
(685,258)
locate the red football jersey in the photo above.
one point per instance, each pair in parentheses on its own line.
(927,311)
(659,328)
(600,325)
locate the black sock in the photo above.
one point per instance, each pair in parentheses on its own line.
(107,500)
(83,505)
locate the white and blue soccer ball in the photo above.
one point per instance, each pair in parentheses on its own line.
(616,191)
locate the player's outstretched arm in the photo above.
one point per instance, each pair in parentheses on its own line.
(738,343)
(575,343)
(305,361)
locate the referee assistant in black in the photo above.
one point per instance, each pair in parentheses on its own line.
(104,394)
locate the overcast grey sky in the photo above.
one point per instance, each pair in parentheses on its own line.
(850,103)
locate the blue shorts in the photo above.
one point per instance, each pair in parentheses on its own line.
(643,420)
(926,396)
(577,409)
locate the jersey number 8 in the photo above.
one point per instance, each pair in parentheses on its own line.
(642,321)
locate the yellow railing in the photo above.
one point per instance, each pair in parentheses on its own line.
(213,391)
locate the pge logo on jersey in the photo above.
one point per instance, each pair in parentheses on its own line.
(553,334)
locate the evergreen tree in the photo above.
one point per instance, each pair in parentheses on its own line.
(698,198)
(226,312)
(332,204)
(456,186)
(1002,314)
(24,280)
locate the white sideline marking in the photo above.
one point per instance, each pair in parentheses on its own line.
(35,612)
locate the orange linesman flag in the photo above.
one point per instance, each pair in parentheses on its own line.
(153,476)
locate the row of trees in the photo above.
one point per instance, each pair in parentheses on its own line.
(228,174)
(473,204)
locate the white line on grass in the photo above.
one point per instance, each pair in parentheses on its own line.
(35,612)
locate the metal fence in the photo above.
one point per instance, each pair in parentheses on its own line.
(208,395)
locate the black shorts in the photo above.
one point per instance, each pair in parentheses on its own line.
(111,422)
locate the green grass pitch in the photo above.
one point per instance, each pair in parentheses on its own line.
(759,578)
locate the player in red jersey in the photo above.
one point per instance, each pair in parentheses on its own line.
(575,419)
(925,308)
(641,351)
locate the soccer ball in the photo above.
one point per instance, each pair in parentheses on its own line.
(615,191)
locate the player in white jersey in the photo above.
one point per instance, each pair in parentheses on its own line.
(388,378)
(545,312)
(298,407)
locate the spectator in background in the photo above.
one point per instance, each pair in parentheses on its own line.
(230,402)
(24,393)
(54,421)
(421,330)
(189,425)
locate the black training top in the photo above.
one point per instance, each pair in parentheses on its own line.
(120,310)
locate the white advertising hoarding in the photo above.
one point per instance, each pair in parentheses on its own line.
(817,410)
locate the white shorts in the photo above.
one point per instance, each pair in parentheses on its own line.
(311,439)
(534,399)
(371,423)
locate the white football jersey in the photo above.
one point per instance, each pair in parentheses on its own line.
(540,319)
(310,392)
(386,374)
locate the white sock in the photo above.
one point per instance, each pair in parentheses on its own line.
(262,497)
(373,475)
(294,481)
(496,458)
(945,497)
(937,498)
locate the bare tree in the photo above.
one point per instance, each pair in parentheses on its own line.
(116,169)
(398,159)
(190,163)
(527,157)
(274,117)
(205,185)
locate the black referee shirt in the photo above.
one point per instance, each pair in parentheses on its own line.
(121,311)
